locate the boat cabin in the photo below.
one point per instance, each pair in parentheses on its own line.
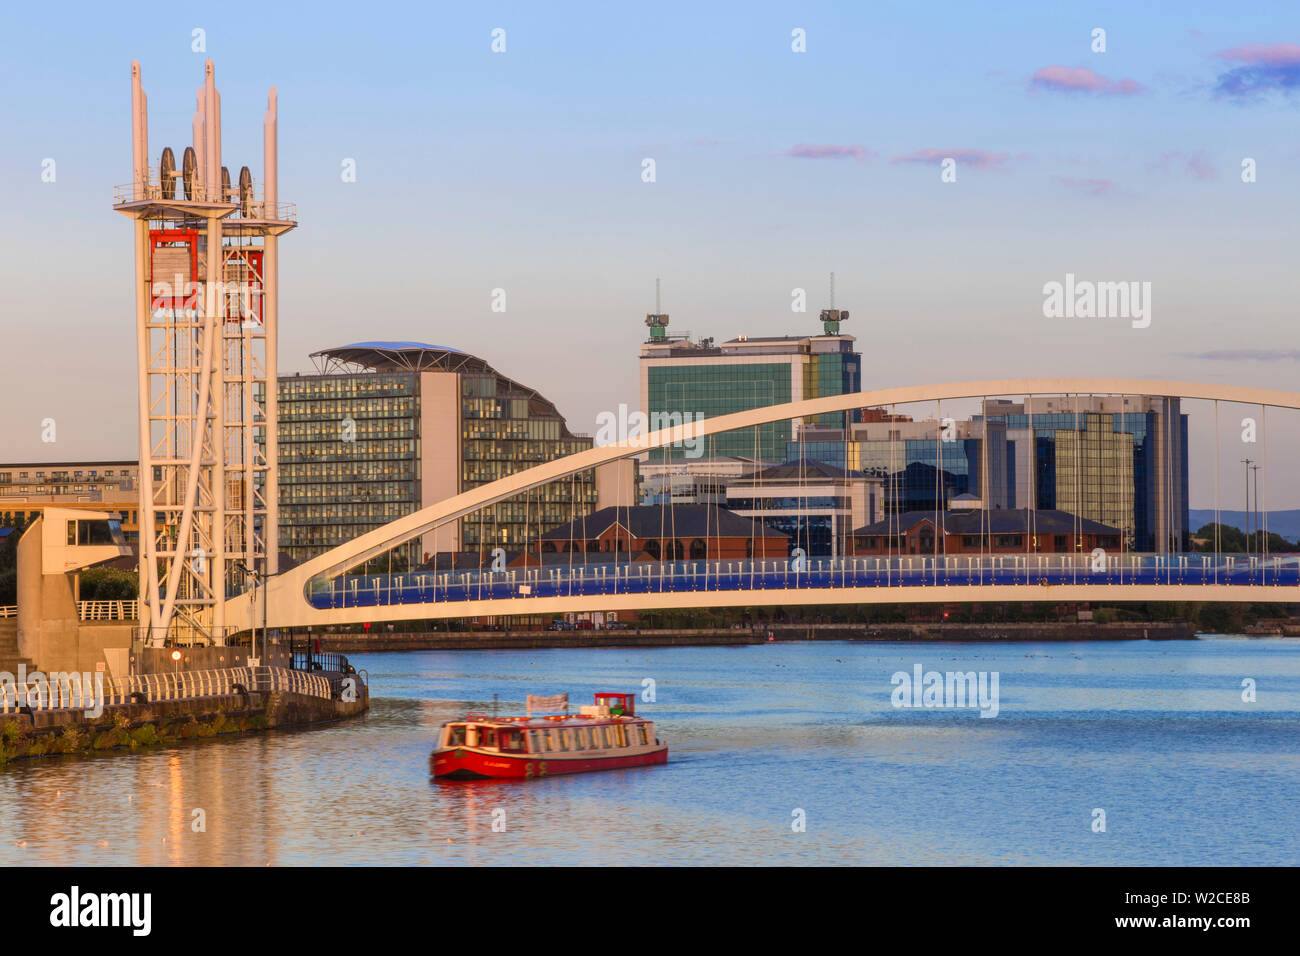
(620,705)
(610,724)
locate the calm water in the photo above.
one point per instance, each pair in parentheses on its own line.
(1156,734)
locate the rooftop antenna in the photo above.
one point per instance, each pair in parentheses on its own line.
(657,320)
(832,317)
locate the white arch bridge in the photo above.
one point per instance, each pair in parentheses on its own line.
(319,592)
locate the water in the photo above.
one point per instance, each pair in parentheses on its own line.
(1153,733)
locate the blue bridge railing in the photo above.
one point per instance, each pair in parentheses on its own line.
(654,577)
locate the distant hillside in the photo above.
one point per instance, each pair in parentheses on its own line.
(1285,523)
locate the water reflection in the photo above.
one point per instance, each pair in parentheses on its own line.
(1156,733)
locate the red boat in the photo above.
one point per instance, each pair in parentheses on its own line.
(607,736)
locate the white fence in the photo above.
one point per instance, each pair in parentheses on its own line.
(8,610)
(81,691)
(108,610)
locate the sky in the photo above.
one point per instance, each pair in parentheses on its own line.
(523,170)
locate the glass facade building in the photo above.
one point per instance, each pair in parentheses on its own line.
(1121,461)
(348,457)
(689,379)
(385,429)
(916,474)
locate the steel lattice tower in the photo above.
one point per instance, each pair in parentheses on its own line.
(206,310)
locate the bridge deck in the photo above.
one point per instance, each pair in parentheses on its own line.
(705,577)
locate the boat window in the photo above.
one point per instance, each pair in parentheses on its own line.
(640,735)
(511,740)
(566,739)
(553,741)
(456,735)
(611,738)
(582,739)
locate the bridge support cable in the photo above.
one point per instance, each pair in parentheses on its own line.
(753,528)
(896,505)
(1261,500)
(938,486)
(1218,538)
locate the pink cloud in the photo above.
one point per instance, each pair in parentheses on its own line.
(807,151)
(1197,164)
(1200,168)
(1093,187)
(975,158)
(1080,79)
(1265,54)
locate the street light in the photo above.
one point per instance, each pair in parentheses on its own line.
(258,582)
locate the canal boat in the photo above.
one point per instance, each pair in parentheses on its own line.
(605,736)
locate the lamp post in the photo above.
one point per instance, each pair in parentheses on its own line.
(259,581)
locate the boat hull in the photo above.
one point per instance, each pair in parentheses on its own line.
(466,764)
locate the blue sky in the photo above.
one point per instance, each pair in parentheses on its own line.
(522,170)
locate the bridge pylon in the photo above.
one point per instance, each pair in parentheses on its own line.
(206,284)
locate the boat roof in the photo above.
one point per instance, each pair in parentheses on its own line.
(545,722)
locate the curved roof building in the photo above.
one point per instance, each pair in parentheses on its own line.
(385,428)
(422,357)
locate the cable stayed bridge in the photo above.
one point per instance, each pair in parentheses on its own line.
(329,589)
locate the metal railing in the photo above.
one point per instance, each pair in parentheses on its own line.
(151,190)
(108,610)
(8,610)
(318,661)
(1026,570)
(84,692)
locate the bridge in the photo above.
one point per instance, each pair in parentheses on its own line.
(325,590)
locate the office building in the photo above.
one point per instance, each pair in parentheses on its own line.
(385,428)
(1119,460)
(656,533)
(700,379)
(967,529)
(26,489)
(815,504)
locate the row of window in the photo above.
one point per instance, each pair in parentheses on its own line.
(399,470)
(347,451)
(557,740)
(347,429)
(369,385)
(389,407)
(92,475)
